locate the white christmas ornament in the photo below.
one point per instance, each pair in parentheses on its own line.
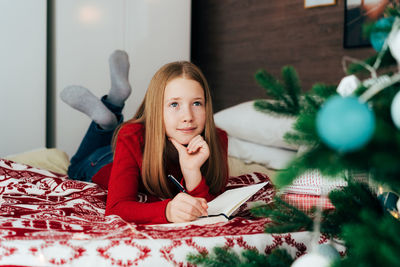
(348,85)
(395,110)
(394,44)
(328,251)
(398,205)
(312,259)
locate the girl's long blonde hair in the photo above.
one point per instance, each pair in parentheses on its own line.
(150,113)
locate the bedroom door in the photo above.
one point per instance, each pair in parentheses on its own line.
(22,75)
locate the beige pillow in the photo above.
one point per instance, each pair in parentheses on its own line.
(51,159)
(238,167)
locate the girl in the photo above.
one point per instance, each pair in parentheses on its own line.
(172,133)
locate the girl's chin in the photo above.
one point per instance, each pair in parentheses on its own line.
(184,141)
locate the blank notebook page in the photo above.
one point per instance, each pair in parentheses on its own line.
(230,200)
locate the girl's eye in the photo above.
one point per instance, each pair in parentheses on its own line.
(173,104)
(197,103)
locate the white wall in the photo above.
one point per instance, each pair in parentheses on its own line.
(22,75)
(153,32)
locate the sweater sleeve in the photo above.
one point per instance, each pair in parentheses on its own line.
(124,183)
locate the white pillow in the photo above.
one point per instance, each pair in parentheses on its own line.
(271,157)
(244,122)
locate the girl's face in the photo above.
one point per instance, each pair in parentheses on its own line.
(184,109)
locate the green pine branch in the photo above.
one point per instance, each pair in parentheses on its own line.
(285,93)
(221,257)
(305,124)
(322,91)
(272,107)
(312,103)
(354,220)
(285,217)
(292,86)
(279,258)
(271,85)
(373,241)
(349,202)
(393,10)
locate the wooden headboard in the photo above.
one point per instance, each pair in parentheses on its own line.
(232,39)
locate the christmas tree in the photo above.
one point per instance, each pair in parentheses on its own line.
(352,127)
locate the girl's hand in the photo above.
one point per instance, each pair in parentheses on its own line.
(194,155)
(185,208)
(191,158)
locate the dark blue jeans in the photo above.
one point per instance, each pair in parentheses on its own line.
(95,149)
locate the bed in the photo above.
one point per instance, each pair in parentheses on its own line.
(47,219)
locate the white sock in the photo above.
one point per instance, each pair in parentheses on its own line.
(83,100)
(119,72)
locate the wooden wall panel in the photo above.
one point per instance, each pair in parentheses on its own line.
(232,39)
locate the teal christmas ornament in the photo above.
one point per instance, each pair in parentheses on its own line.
(380,32)
(345,124)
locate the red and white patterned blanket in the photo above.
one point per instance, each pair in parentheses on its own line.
(47,219)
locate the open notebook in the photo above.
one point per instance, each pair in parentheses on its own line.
(222,207)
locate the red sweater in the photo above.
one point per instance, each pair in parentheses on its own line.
(124,179)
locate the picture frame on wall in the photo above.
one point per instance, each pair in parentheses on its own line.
(317,3)
(356,14)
